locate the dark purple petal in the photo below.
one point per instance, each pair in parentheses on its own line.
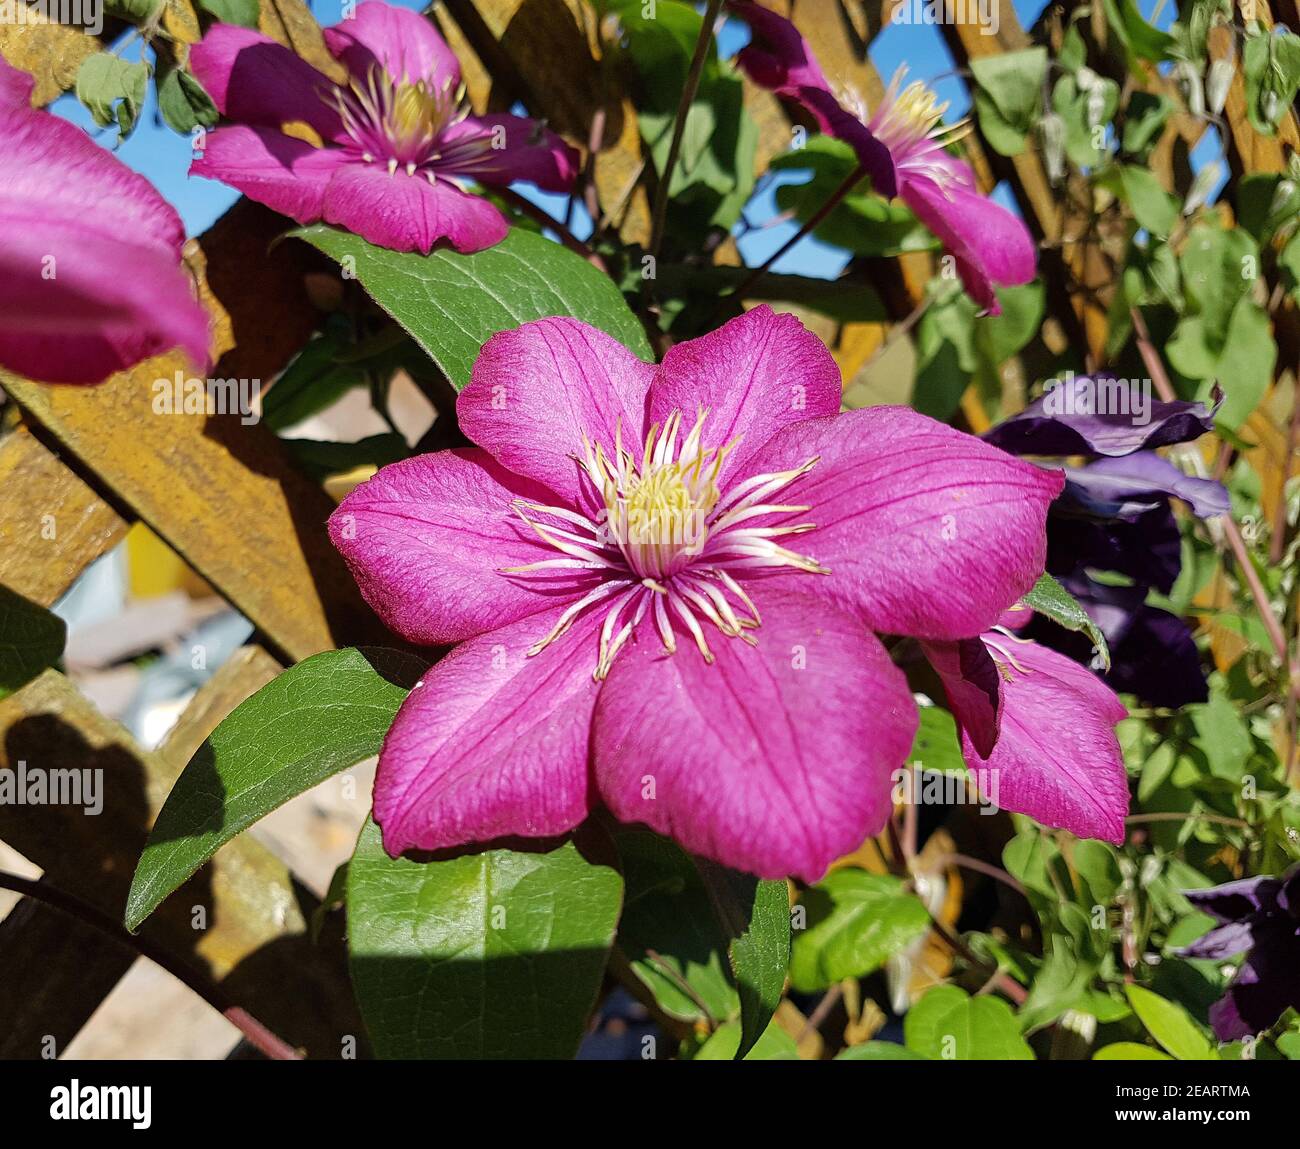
(1099,415)
(1128,486)
(1266,985)
(1236,901)
(1223,941)
(1148,549)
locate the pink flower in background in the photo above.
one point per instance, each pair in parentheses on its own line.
(903,148)
(664,580)
(394,142)
(90,267)
(1040,727)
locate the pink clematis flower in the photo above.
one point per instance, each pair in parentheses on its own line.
(1037,730)
(90,267)
(395,143)
(664,582)
(903,148)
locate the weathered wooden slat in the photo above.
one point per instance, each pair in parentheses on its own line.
(546,53)
(242,919)
(51,52)
(52,524)
(224,495)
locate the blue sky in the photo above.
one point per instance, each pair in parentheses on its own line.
(164,156)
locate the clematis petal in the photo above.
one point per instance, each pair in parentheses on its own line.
(755,374)
(1057,758)
(255,80)
(1148,548)
(779,58)
(970,680)
(1236,901)
(492,743)
(777,759)
(427,540)
(1129,486)
(402,42)
(1099,415)
(286,174)
(409,212)
(501,149)
(926,531)
(536,390)
(1221,942)
(73,217)
(992,244)
(16,88)
(1266,985)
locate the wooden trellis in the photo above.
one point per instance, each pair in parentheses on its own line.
(84,463)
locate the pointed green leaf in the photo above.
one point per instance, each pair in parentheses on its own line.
(498,954)
(31,639)
(325,714)
(451,304)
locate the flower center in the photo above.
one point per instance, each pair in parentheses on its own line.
(667,539)
(909,122)
(397,122)
(657,512)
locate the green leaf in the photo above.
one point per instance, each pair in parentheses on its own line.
(1144,120)
(1153,207)
(242,12)
(756,916)
(1129,1051)
(1222,736)
(1086,103)
(723,1045)
(863,222)
(451,304)
(1170,1025)
(1271,61)
(322,458)
(1009,94)
(937,747)
(1049,598)
(1219,268)
(104,79)
(31,639)
(313,381)
(319,717)
(1265,202)
(855,922)
(878,1051)
(668,932)
(1245,363)
(498,954)
(947,1025)
(183,102)
(1140,39)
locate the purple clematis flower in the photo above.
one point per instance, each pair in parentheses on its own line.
(902,146)
(1037,731)
(1114,515)
(664,581)
(395,144)
(1100,415)
(75,219)
(1260,917)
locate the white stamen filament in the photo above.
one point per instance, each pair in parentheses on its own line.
(667,539)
